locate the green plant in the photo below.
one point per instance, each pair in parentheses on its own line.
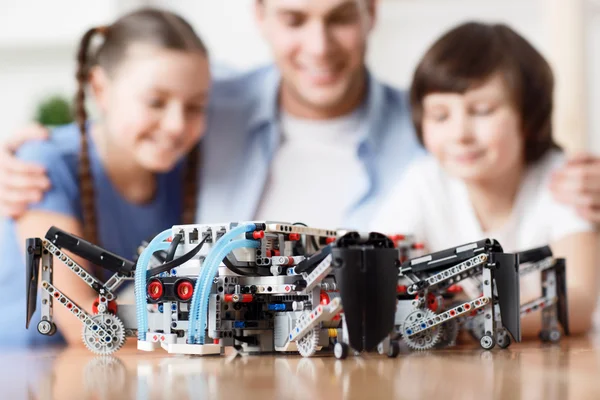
(55,110)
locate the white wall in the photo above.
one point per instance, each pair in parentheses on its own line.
(593,73)
(37,51)
(404,29)
(38,42)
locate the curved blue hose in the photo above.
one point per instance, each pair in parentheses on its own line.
(211,271)
(202,276)
(141,275)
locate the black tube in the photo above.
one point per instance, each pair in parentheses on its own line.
(173,248)
(234,269)
(179,261)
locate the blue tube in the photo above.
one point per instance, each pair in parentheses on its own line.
(202,276)
(212,270)
(140,280)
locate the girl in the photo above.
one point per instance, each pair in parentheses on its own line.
(122,179)
(481,101)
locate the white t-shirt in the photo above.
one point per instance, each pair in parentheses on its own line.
(436,208)
(316,174)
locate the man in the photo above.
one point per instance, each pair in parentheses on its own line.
(316,139)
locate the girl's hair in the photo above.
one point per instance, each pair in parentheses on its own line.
(151,26)
(468,55)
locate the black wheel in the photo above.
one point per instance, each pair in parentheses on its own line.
(46,328)
(554,335)
(394,349)
(340,350)
(503,340)
(487,342)
(544,336)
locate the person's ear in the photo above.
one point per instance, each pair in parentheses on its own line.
(259,15)
(100,83)
(372,6)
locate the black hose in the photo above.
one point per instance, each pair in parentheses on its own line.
(237,270)
(234,269)
(179,261)
(173,248)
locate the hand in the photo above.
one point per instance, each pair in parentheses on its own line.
(21,183)
(577,184)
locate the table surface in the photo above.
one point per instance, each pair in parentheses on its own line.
(528,370)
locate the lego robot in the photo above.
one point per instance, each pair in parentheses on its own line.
(553,300)
(257,286)
(105,330)
(425,315)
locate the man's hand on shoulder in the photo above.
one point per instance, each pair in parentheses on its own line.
(21,183)
(577,184)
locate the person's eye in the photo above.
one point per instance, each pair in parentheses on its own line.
(155,102)
(483,109)
(437,116)
(196,108)
(293,20)
(344,18)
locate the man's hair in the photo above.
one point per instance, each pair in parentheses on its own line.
(468,55)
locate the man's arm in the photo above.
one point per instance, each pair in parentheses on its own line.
(577,184)
(21,182)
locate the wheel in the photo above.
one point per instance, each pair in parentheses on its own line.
(340,350)
(394,349)
(307,345)
(554,336)
(450,330)
(487,342)
(503,340)
(46,328)
(104,345)
(426,339)
(384,346)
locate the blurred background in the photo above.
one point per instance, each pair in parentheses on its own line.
(38,41)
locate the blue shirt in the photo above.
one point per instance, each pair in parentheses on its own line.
(243,135)
(122,226)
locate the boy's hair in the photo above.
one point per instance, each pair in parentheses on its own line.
(472,52)
(147,25)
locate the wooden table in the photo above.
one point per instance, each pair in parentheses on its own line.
(570,370)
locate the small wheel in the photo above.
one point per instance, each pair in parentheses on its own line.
(487,342)
(340,350)
(503,340)
(46,328)
(394,349)
(554,336)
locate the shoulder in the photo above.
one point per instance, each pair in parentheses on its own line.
(542,170)
(244,87)
(59,155)
(424,170)
(62,146)
(395,98)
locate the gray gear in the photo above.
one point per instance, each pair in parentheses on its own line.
(101,344)
(307,345)
(426,339)
(450,331)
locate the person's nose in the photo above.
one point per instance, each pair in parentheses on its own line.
(317,40)
(462,129)
(173,121)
